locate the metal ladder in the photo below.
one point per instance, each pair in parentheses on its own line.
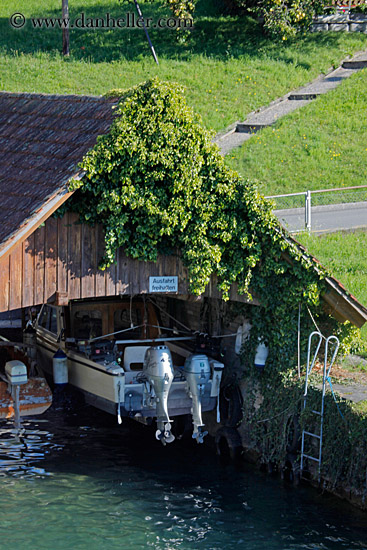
(325,378)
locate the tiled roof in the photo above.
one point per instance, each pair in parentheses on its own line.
(42,140)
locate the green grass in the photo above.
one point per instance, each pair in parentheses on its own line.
(345,256)
(321,146)
(228,66)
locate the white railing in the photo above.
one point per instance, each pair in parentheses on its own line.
(305,200)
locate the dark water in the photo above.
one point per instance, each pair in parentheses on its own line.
(78,481)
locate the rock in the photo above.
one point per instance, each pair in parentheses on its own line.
(319,27)
(360,17)
(338,27)
(355,361)
(358,27)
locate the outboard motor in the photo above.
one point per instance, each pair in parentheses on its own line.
(197,374)
(158,369)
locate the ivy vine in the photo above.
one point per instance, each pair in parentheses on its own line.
(270,420)
(158,184)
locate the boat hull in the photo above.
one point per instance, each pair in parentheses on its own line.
(111,373)
(35,398)
(87,376)
(101,388)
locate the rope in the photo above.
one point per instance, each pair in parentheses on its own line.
(314,322)
(182,324)
(328,379)
(113,333)
(168,315)
(131,305)
(171,329)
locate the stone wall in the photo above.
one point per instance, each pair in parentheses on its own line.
(354,22)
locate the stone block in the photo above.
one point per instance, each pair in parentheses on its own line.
(249,128)
(332,18)
(358,17)
(358,64)
(301,96)
(338,27)
(358,27)
(319,27)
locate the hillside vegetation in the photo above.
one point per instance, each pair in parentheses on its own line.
(228,67)
(321,146)
(345,256)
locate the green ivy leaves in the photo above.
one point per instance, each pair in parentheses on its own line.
(158,184)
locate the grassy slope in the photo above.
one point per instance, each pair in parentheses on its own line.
(345,256)
(229,68)
(323,145)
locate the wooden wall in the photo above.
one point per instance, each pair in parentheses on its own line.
(59,262)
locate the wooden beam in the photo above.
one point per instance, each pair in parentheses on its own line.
(341,309)
(33,223)
(59,299)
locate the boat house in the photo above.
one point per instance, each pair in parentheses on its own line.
(44,259)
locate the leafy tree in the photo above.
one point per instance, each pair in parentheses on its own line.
(281,18)
(182,8)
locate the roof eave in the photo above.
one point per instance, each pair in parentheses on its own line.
(339,303)
(342,305)
(37,217)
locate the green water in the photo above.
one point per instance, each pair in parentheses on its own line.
(81,482)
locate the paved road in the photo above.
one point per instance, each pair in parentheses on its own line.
(326,218)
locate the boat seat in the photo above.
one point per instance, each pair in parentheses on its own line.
(134,357)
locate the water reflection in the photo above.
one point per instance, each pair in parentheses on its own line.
(75,480)
(21,448)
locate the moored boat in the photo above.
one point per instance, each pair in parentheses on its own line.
(123,360)
(21,383)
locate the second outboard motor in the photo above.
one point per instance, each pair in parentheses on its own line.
(197,373)
(158,369)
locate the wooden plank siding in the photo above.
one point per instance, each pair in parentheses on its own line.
(39,269)
(28,272)
(4,283)
(61,258)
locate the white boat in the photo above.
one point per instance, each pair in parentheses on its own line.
(118,355)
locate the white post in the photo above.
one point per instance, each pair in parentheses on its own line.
(308,211)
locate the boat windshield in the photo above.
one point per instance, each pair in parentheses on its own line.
(87,324)
(124,318)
